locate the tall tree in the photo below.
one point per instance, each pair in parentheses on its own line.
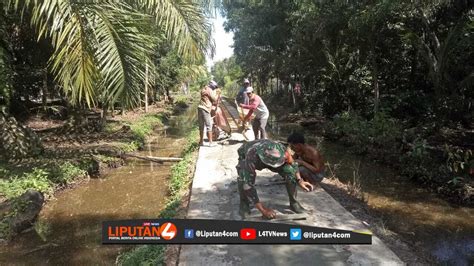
(99,46)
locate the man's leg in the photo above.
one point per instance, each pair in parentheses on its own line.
(201,126)
(256,127)
(294,204)
(309,176)
(246,184)
(244,206)
(208,125)
(262,126)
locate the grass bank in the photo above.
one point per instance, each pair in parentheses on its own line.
(70,158)
(180,179)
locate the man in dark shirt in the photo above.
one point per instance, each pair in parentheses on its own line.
(242,97)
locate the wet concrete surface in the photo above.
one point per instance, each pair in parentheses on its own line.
(214,196)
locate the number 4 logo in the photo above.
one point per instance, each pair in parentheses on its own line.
(168,231)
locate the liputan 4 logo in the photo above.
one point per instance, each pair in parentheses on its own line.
(167,231)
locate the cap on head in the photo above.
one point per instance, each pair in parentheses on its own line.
(248,89)
(272,154)
(213,84)
(246,81)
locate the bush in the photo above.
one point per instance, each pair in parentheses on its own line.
(417,162)
(37,180)
(380,132)
(65,173)
(144,127)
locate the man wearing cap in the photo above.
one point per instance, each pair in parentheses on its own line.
(266,154)
(242,96)
(208,98)
(257,106)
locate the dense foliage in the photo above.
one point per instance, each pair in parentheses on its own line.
(411,58)
(62,57)
(228,74)
(395,78)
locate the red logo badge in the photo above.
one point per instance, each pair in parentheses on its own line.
(168,231)
(248,233)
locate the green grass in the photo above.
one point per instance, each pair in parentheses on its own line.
(181,175)
(57,172)
(130,146)
(37,179)
(143,255)
(43,179)
(65,173)
(145,125)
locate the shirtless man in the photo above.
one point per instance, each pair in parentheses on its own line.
(310,161)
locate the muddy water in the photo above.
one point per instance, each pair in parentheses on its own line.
(445,230)
(69,227)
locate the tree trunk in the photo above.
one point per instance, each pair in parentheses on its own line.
(146,88)
(376,89)
(44,96)
(271,86)
(293,96)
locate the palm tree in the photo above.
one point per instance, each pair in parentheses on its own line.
(102,47)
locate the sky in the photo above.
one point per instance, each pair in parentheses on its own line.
(223,42)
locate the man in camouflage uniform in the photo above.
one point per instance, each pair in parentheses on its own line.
(261,154)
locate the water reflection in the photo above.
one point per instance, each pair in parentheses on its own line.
(448,231)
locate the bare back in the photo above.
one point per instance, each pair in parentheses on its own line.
(312,157)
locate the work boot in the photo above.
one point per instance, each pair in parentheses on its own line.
(294,204)
(244,208)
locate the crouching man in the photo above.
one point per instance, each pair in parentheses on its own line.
(267,154)
(310,160)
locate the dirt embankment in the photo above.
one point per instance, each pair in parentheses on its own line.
(72,153)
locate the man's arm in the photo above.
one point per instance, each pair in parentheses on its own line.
(249,114)
(315,165)
(306,186)
(213,96)
(253,105)
(291,173)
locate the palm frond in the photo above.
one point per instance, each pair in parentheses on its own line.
(101,47)
(73,59)
(192,72)
(122,49)
(184,24)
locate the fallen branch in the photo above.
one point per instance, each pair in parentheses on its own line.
(45,246)
(153,159)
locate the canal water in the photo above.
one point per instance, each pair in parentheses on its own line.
(68,231)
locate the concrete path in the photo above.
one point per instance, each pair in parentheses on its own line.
(214,196)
